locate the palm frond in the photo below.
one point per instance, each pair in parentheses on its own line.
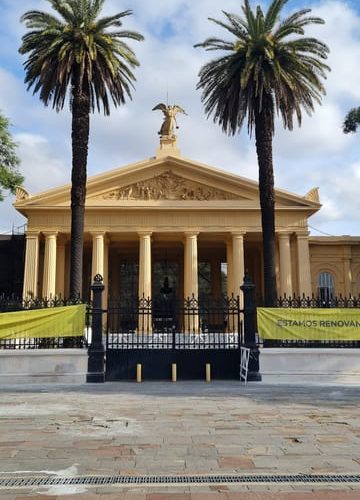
(280,67)
(80,43)
(273,14)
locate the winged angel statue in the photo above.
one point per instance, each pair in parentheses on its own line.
(167,127)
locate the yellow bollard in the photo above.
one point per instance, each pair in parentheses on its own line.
(173,372)
(138,372)
(208,372)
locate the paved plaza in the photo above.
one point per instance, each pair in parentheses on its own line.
(182,429)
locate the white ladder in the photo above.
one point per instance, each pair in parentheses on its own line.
(244,363)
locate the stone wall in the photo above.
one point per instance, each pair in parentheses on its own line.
(28,366)
(292,365)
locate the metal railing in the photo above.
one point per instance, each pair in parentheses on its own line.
(318,302)
(177,324)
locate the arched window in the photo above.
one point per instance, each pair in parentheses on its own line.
(326,286)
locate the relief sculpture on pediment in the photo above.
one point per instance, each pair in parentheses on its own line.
(168,186)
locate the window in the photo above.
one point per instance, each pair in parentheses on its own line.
(326,287)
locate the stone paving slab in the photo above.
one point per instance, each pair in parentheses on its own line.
(183,428)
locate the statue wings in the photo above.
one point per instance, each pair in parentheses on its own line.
(179,109)
(164,108)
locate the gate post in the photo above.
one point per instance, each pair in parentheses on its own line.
(248,288)
(96,351)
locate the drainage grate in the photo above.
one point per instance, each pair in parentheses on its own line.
(25,482)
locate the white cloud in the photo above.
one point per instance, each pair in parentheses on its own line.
(40,167)
(320,134)
(341,33)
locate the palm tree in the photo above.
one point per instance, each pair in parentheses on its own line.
(78,55)
(352,121)
(265,68)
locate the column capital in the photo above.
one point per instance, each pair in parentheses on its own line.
(50,234)
(32,234)
(238,234)
(190,234)
(284,234)
(95,234)
(144,234)
(302,234)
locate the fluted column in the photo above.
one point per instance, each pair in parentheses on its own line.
(98,245)
(145,320)
(304,272)
(106,271)
(30,288)
(191,284)
(238,274)
(238,261)
(285,264)
(49,275)
(106,278)
(230,273)
(145,265)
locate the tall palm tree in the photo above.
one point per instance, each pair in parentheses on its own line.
(266,68)
(76,54)
(352,121)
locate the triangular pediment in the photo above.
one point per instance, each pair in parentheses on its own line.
(162,181)
(168,186)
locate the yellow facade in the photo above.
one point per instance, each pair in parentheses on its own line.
(340,257)
(168,209)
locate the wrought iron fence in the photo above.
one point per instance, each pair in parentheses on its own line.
(313,303)
(176,324)
(318,302)
(14,303)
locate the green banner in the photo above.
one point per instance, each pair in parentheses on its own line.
(308,324)
(49,322)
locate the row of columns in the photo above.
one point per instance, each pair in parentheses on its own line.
(303,264)
(54,263)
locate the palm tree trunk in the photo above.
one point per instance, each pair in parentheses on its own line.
(264,135)
(80,139)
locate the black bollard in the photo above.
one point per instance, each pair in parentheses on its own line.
(96,351)
(248,288)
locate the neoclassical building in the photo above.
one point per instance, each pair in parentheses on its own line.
(168,216)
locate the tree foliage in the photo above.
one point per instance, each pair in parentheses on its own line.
(10,176)
(74,54)
(352,121)
(268,67)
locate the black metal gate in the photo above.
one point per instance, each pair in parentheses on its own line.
(190,333)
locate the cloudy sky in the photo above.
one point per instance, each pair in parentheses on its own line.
(318,154)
